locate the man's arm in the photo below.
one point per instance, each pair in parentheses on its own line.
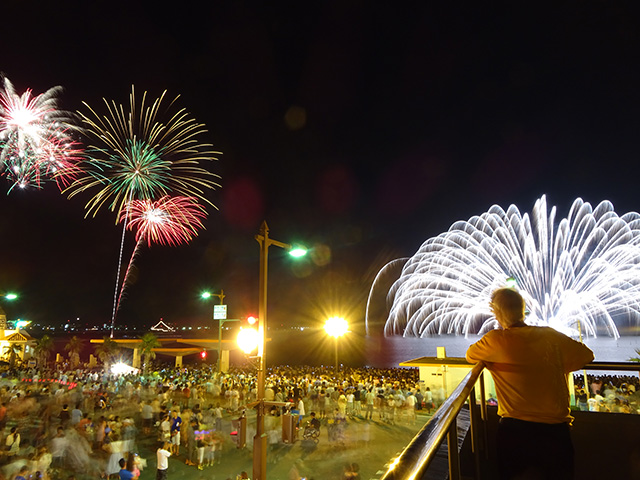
(576,355)
(482,350)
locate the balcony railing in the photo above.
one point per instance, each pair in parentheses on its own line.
(414,461)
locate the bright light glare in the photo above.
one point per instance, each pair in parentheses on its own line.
(248,339)
(122,369)
(336,326)
(298,251)
(205,295)
(22,323)
(11,296)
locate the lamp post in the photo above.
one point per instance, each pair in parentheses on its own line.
(336,327)
(221,321)
(260,440)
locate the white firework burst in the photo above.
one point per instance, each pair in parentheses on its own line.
(35,138)
(581,275)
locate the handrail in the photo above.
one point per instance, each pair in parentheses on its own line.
(624,366)
(414,460)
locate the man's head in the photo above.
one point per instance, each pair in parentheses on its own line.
(508,307)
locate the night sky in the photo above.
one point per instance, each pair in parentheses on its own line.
(358,128)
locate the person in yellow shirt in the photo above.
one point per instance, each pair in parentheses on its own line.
(529,365)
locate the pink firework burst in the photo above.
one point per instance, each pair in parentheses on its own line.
(36,144)
(167,221)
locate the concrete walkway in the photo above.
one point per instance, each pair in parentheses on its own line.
(369,443)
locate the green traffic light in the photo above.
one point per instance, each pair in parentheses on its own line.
(11,296)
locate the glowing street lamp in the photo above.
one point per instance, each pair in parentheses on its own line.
(248,339)
(336,327)
(260,440)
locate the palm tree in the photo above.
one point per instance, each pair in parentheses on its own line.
(106,351)
(13,349)
(149,342)
(74,347)
(43,349)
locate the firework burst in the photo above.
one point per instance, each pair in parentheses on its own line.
(142,154)
(36,144)
(167,221)
(135,155)
(580,275)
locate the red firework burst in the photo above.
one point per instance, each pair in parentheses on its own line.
(167,221)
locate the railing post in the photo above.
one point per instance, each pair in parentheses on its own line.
(483,398)
(476,425)
(483,414)
(452,444)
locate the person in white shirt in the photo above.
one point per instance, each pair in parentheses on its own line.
(301,411)
(163,455)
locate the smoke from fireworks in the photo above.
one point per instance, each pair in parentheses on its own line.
(581,275)
(35,139)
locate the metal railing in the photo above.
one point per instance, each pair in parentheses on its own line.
(417,456)
(415,459)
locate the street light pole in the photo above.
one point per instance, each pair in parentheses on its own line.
(221,296)
(260,440)
(221,322)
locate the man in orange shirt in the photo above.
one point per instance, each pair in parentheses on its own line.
(529,366)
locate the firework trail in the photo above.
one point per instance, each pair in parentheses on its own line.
(36,143)
(582,273)
(134,154)
(167,221)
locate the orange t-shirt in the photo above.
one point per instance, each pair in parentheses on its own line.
(529,366)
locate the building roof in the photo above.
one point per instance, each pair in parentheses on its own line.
(428,361)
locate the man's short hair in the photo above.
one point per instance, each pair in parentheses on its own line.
(508,306)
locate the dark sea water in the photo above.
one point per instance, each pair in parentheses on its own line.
(388,352)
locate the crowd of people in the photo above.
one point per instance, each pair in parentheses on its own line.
(608,393)
(56,423)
